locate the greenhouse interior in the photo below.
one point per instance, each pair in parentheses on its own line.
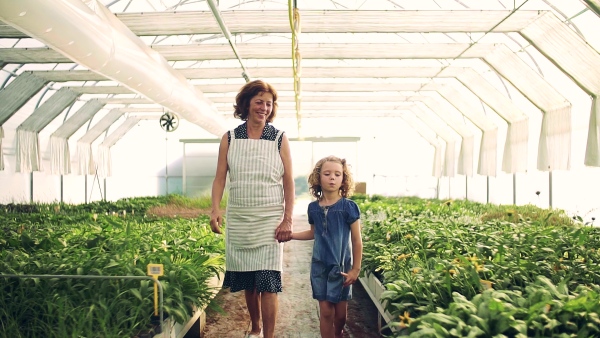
(471,129)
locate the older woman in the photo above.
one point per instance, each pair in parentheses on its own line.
(260,203)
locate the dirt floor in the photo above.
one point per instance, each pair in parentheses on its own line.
(298,313)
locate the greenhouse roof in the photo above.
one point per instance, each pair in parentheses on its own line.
(433,63)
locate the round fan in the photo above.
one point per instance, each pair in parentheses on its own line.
(169,121)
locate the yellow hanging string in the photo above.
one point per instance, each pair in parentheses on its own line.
(294,17)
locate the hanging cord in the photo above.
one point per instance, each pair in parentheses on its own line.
(294,16)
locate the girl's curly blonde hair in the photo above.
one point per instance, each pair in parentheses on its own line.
(314,179)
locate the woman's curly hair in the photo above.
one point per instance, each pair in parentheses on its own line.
(248,91)
(314,179)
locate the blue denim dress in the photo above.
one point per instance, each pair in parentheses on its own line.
(332,252)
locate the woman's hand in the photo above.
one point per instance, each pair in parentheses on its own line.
(216,221)
(283,233)
(350,277)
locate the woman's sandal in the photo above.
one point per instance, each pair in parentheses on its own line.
(252,335)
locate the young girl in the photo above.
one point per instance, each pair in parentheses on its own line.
(334,220)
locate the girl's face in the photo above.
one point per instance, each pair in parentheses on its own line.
(332,175)
(261,106)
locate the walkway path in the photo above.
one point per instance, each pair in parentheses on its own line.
(298,315)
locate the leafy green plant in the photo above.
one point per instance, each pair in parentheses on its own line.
(82,240)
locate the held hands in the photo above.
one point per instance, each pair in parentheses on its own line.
(216,221)
(283,233)
(350,277)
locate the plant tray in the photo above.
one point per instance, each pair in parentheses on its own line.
(197,322)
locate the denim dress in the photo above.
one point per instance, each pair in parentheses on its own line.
(332,252)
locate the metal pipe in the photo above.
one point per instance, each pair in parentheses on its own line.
(488,189)
(184,172)
(156,281)
(550,188)
(466,188)
(514,188)
(217,14)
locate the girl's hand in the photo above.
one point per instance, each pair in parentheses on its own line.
(216,221)
(351,277)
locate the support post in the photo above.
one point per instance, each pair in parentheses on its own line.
(184,172)
(31,187)
(550,188)
(86,189)
(61,189)
(487,189)
(514,189)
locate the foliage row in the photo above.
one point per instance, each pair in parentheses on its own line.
(104,239)
(464,269)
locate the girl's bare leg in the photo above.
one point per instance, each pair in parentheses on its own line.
(339,320)
(326,318)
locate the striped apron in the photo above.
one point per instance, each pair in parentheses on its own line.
(255,205)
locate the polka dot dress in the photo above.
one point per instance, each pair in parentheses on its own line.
(263,280)
(269,133)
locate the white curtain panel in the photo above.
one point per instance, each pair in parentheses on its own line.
(445,133)
(555,136)
(592,150)
(489,141)
(104,158)
(1,151)
(86,164)
(488,153)
(28,151)
(466,155)
(104,162)
(422,129)
(85,159)
(60,155)
(554,149)
(514,159)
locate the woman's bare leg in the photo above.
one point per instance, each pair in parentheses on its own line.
(253,304)
(269,313)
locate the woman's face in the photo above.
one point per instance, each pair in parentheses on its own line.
(261,106)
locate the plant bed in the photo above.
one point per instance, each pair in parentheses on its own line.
(196,324)
(375,289)
(452,268)
(82,240)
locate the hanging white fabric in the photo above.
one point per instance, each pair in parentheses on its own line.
(85,163)
(1,152)
(516,147)
(465,156)
(514,158)
(489,140)
(60,156)
(422,130)
(555,146)
(578,60)
(104,158)
(28,153)
(592,149)
(445,133)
